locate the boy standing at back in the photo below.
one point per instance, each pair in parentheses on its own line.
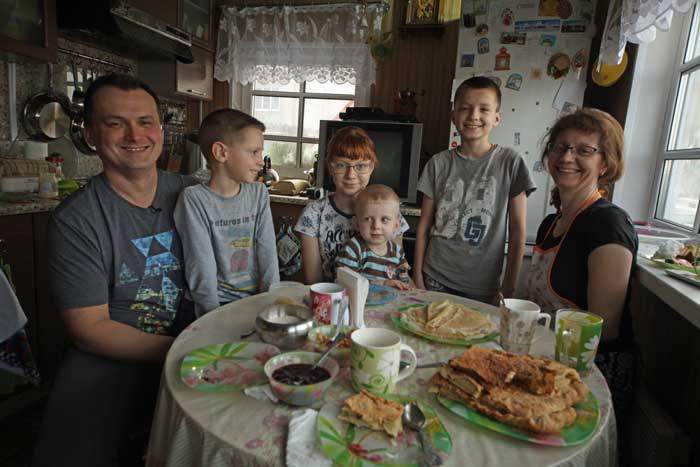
(228,238)
(469,194)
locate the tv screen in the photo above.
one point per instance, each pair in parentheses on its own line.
(397,145)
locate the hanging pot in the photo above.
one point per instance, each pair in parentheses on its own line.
(46,115)
(77,123)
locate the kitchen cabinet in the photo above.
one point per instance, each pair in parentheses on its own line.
(170,77)
(196,18)
(29,29)
(164,10)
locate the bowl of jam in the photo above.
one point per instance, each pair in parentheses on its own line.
(294,381)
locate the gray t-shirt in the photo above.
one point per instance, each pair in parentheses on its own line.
(229,244)
(322,219)
(103,249)
(471,197)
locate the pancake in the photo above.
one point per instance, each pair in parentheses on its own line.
(449,320)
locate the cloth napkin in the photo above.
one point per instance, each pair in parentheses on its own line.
(262,392)
(302,449)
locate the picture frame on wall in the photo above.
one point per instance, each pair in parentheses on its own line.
(422,12)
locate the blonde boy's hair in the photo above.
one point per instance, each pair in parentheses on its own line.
(377,194)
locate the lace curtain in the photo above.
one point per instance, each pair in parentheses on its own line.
(636,21)
(315,42)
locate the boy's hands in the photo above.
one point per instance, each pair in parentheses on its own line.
(418,280)
(398,284)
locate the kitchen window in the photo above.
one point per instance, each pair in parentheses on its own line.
(291,113)
(678,171)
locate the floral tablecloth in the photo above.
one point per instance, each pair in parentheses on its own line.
(194,428)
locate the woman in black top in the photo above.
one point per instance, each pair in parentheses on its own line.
(585,253)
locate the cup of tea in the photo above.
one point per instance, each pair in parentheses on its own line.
(519,319)
(577,334)
(375,354)
(327,299)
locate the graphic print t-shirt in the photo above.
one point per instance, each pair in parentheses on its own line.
(103,249)
(229,243)
(471,196)
(323,220)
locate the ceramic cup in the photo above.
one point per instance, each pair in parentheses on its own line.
(577,335)
(326,300)
(519,318)
(375,354)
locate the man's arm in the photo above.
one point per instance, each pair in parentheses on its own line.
(310,259)
(92,331)
(517,211)
(268,264)
(427,217)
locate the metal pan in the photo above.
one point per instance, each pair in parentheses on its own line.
(77,123)
(46,115)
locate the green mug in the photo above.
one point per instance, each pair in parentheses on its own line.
(577,336)
(375,354)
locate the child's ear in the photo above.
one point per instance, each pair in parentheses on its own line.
(498,119)
(219,151)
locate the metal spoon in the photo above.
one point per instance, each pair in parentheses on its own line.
(404,364)
(339,336)
(414,419)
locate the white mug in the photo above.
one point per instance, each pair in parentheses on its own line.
(519,318)
(375,354)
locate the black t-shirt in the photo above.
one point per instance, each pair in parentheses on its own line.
(600,224)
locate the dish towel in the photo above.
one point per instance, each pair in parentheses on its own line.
(302,449)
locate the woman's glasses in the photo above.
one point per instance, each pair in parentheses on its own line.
(580,150)
(342,167)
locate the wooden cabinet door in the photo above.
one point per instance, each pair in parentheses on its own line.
(196,79)
(164,10)
(196,18)
(29,29)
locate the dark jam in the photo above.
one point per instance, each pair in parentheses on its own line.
(300,374)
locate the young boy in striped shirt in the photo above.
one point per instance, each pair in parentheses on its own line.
(371,251)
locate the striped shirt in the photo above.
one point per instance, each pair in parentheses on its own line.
(356,255)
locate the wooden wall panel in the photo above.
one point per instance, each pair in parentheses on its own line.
(421,60)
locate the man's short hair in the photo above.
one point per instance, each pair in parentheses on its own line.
(224,125)
(478,82)
(120,81)
(377,194)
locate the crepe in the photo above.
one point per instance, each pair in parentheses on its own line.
(532,393)
(449,320)
(374,412)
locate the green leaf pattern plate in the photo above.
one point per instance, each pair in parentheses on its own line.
(348,445)
(226,367)
(401,324)
(588,413)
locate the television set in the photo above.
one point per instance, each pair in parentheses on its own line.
(397,145)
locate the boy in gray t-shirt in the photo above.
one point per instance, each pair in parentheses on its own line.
(226,225)
(469,194)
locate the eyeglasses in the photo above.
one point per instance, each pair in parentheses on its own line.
(581,150)
(342,167)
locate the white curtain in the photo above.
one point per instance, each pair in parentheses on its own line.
(636,21)
(325,43)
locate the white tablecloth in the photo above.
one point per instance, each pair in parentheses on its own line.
(194,428)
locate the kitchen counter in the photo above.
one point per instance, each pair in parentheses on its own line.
(406,210)
(32,205)
(682,297)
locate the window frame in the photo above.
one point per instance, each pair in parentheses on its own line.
(299,139)
(665,154)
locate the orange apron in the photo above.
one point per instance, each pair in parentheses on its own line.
(539,284)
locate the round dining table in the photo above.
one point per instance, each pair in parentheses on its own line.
(210,429)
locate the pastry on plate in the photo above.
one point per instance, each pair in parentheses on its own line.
(449,320)
(373,412)
(536,394)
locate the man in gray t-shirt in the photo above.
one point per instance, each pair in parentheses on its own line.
(117,276)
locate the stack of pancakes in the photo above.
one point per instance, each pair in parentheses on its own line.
(527,392)
(449,320)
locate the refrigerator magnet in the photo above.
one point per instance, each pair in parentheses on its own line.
(502,60)
(559,65)
(483,45)
(514,81)
(482,30)
(467,61)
